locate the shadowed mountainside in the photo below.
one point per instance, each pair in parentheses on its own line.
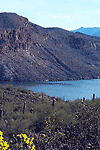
(29,52)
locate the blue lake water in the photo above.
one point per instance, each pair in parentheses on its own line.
(68,90)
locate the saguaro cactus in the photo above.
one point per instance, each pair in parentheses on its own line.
(3,95)
(53,102)
(24,107)
(42,99)
(93,97)
(83,99)
(1,114)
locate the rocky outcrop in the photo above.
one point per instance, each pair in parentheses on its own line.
(29,52)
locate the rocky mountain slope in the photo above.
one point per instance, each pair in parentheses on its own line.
(29,52)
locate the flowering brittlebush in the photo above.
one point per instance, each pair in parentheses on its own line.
(26,140)
(3,144)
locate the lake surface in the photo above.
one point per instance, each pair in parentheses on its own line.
(67,90)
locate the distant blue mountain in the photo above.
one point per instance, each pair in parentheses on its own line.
(97,34)
(95,31)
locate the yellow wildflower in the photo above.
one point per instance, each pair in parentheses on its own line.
(31,141)
(3,144)
(26,140)
(33,147)
(1,133)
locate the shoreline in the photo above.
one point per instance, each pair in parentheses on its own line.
(41,82)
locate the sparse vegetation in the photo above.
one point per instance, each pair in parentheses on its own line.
(66,125)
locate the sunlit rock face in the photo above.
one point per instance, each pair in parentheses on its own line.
(29,52)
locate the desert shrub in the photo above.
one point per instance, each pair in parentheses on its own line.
(88,121)
(2,125)
(20,88)
(48,138)
(8,87)
(43,110)
(8,98)
(1,86)
(63,118)
(63,106)
(1,90)
(59,99)
(27,123)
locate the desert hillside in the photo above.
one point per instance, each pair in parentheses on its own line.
(54,123)
(29,52)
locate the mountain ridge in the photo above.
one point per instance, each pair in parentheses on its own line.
(93,31)
(29,52)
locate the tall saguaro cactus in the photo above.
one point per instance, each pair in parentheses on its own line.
(3,103)
(93,97)
(42,99)
(83,99)
(53,100)
(24,107)
(3,100)
(1,114)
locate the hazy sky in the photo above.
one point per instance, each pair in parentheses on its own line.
(66,14)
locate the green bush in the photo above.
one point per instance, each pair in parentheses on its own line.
(9,87)
(20,88)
